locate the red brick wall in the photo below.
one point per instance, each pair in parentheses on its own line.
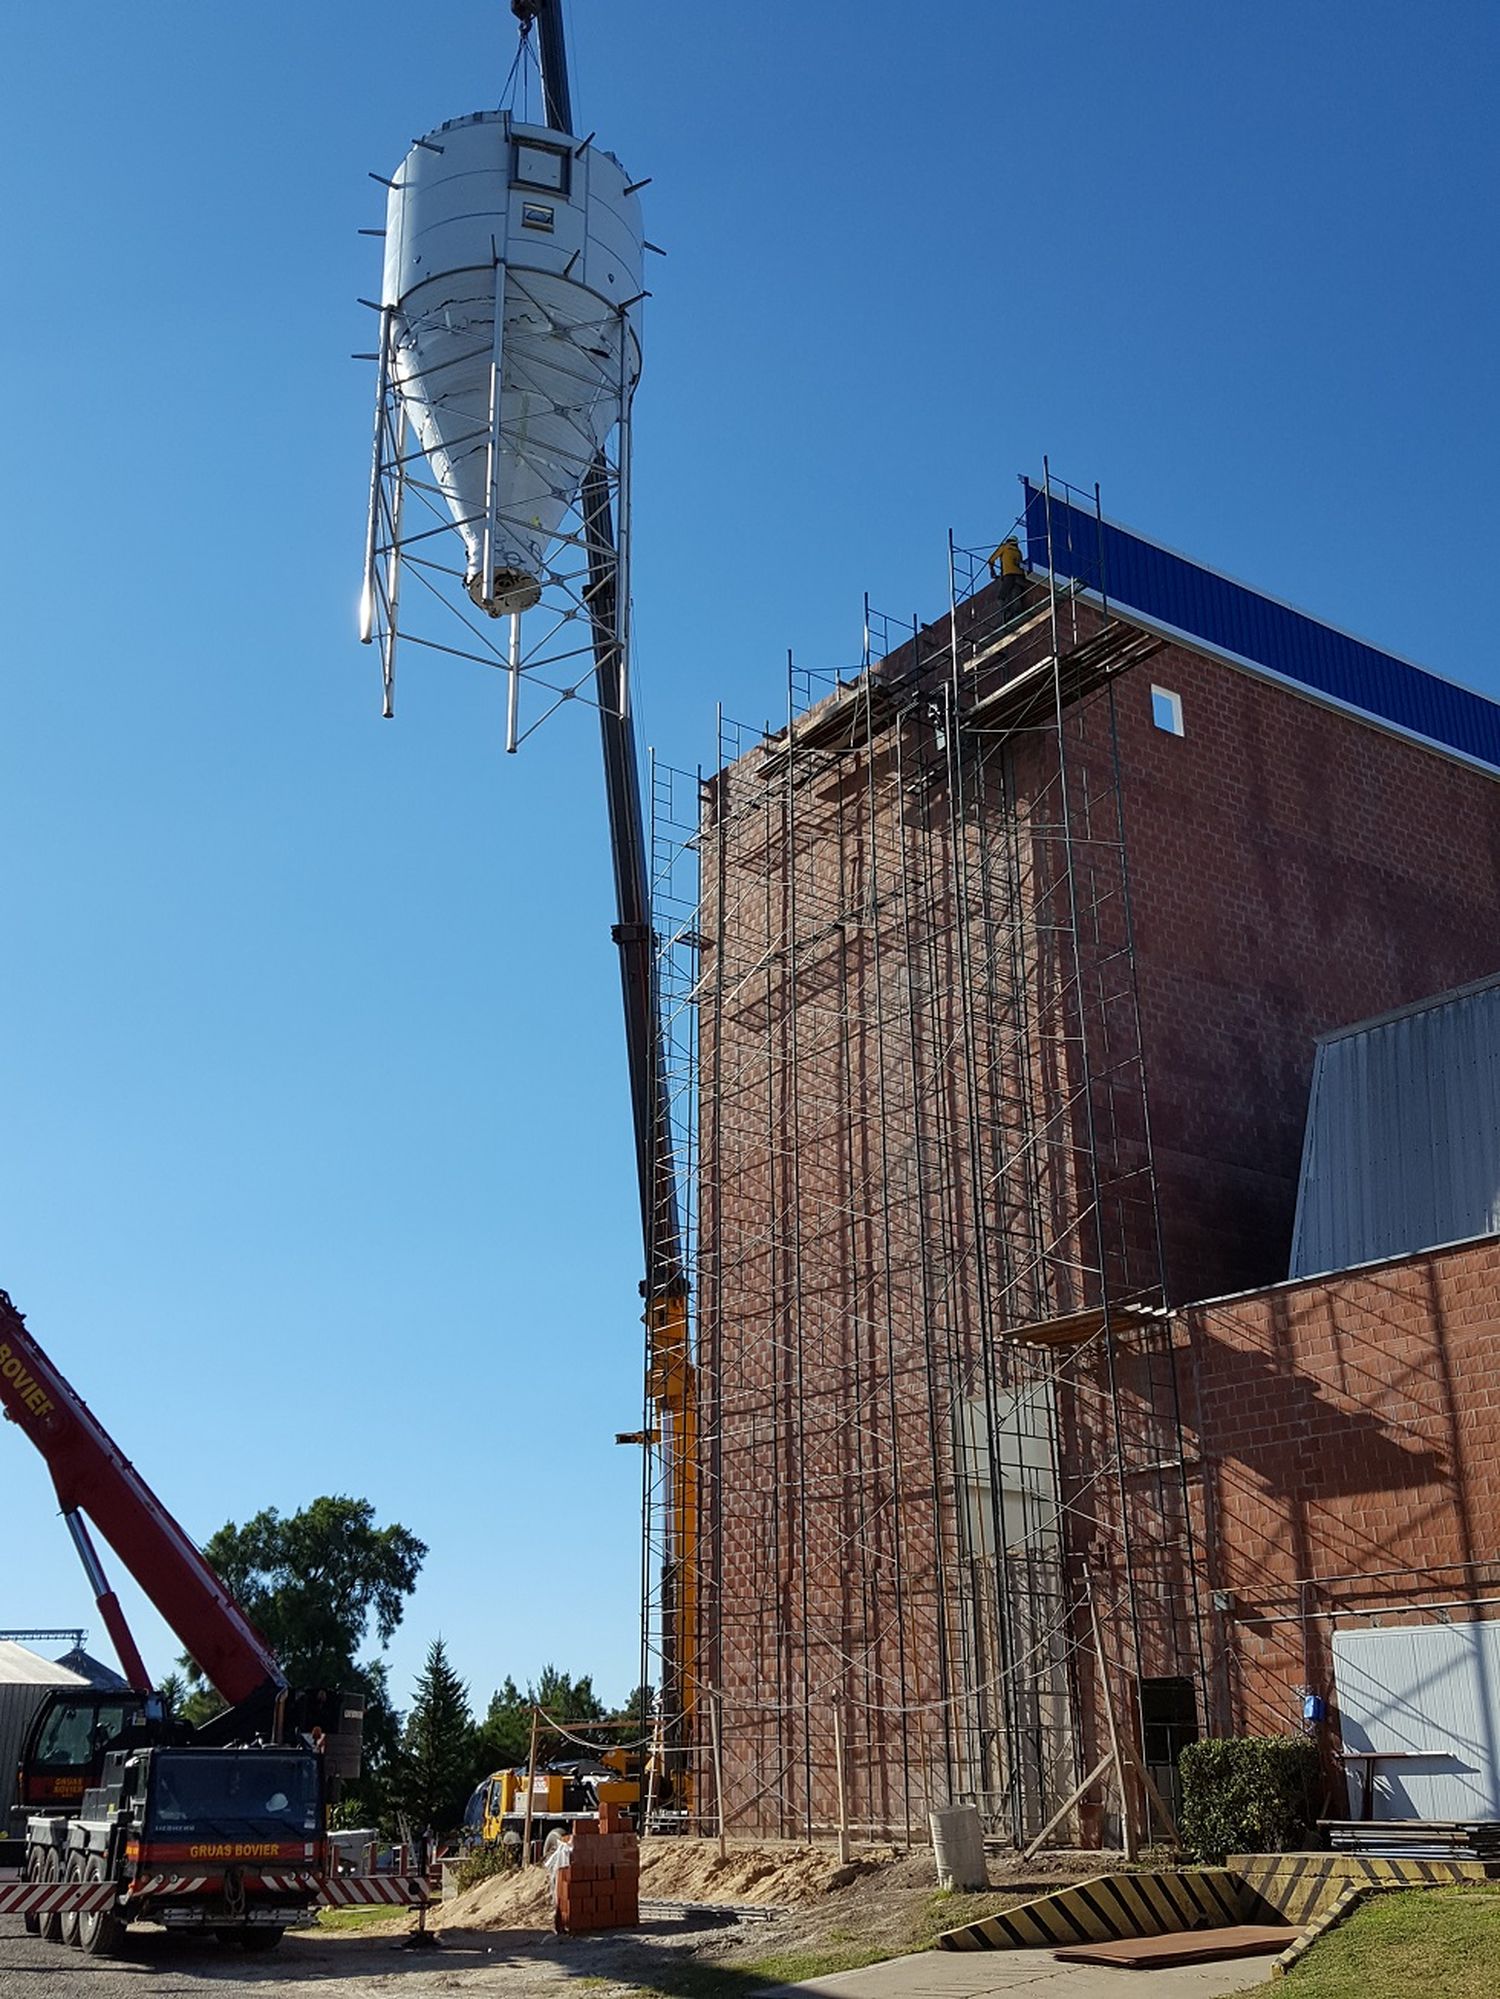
(828,1545)
(1350,1427)
(1294,869)
(892,1160)
(866,1089)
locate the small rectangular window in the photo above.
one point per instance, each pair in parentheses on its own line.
(537,165)
(1166,710)
(536,215)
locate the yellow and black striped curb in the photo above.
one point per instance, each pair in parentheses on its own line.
(1110,1906)
(1300,1886)
(1346,1902)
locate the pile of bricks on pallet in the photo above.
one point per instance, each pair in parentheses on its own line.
(599,1887)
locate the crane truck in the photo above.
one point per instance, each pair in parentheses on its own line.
(121,1812)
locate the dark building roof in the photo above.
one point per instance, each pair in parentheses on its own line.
(93,1670)
(1183,597)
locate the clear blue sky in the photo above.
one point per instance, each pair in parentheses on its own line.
(316,1170)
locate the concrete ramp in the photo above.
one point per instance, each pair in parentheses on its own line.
(1114,1906)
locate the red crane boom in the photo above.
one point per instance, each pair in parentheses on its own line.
(94,1477)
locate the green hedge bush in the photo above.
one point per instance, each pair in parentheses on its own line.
(1248,1794)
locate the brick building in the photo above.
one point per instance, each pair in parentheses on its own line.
(1349,1426)
(1350,1429)
(1012,952)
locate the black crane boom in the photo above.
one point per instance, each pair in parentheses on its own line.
(552,58)
(671,1378)
(660,1223)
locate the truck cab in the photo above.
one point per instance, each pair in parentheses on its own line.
(561,1791)
(230,1840)
(62,1754)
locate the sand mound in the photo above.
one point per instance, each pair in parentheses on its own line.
(778,1874)
(504,1902)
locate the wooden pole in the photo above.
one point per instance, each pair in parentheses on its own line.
(530,1790)
(715,1708)
(653,1760)
(1128,1762)
(838,1773)
(1127,1813)
(1062,1811)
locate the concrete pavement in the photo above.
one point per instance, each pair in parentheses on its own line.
(1036,1974)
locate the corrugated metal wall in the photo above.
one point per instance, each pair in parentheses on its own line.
(1428,1696)
(18,1703)
(1140,575)
(25,1682)
(1403,1135)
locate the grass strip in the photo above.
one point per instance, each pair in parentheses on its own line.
(1420,1943)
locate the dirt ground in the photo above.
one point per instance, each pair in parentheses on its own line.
(685,1870)
(884,1900)
(499,1937)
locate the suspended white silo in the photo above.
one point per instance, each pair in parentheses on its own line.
(510,334)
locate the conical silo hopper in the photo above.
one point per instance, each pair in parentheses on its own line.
(512,264)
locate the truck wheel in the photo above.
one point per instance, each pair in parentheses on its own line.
(100,1934)
(52,1930)
(73,1872)
(36,1860)
(262,1937)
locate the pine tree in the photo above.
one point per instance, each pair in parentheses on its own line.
(435,1766)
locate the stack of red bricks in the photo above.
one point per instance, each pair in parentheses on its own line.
(600,1886)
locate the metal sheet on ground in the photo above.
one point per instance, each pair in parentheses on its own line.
(1187,1947)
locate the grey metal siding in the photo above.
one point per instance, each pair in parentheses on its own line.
(1403,1135)
(25,1682)
(1428,1697)
(18,1703)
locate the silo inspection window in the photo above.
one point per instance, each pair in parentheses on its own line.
(541,166)
(536,215)
(1166,710)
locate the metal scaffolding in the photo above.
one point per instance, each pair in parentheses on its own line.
(943,1541)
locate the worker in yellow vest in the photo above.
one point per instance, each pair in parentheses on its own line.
(1006,565)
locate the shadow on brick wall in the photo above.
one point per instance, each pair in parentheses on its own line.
(1298,1440)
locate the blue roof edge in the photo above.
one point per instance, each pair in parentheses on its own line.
(1250,627)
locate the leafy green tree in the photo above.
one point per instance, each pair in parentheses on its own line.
(565,1698)
(316,1581)
(366,1800)
(199,1706)
(504,1735)
(194,1705)
(637,1715)
(434,1767)
(503,1740)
